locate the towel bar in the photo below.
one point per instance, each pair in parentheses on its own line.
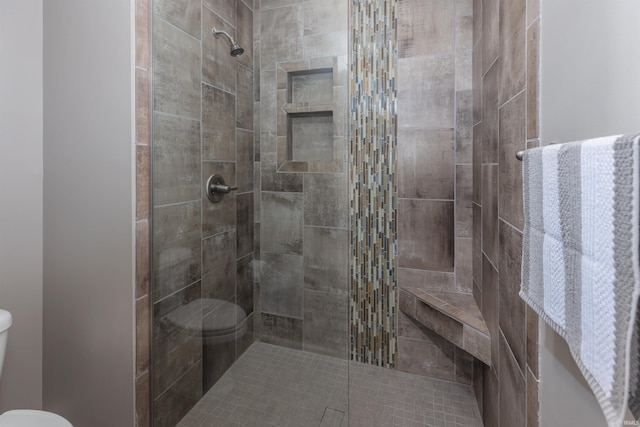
(519,155)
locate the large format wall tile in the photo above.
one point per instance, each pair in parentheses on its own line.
(325,200)
(513,39)
(175,350)
(217,356)
(218,66)
(176,247)
(477,248)
(476,79)
(425,234)
(268,105)
(433,358)
(325,16)
(532,79)
(184,14)
(219,266)
(282,215)
(464,260)
(143,106)
(533,407)
(244,160)
(326,266)
(218,124)
(425,279)
(464,35)
(490,212)
(281,35)
(274,181)
(244,34)
(244,283)
(512,140)
(326,323)
(226,9)
(428,27)
(244,110)
(175,403)
(512,307)
(464,126)
(176,71)
(532,341)
(490,32)
(491,400)
(268,4)
(143,334)
(143,400)
(426,164)
(245,225)
(490,298)
(176,159)
(490,85)
(478,134)
(143,257)
(426,92)
(280,330)
(513,403)
(326,44)
(464,195)
(282,285)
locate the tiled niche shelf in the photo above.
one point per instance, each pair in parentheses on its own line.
(452,315)
(309,137)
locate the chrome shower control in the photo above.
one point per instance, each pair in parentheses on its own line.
(216,188)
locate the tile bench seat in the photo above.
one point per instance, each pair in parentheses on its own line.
(454,316)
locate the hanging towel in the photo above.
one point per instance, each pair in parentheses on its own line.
(580,259)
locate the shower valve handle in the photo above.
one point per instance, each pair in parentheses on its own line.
(216,188)
(224,189)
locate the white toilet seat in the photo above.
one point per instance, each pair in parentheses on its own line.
(31,418)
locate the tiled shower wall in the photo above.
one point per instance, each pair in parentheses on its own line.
(434,171)
(202,124)
(302,209)
(505,117)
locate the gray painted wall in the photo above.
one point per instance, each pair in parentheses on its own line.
(21,203)
(88,212)
(589,87)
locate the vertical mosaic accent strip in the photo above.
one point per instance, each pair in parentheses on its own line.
(373,194)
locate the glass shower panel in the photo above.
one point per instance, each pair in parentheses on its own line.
(250,293)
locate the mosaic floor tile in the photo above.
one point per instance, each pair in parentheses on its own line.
(276,386)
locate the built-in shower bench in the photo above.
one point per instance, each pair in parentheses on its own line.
(452,315)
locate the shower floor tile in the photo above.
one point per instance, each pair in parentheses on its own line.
(276,386)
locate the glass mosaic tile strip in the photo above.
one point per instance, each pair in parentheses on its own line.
(373,192)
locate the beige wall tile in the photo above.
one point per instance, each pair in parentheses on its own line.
(425,234)
(433,18)
(512,140)
(426,163)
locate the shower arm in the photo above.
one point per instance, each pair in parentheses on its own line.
(216,33)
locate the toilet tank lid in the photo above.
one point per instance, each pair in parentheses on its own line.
(5,320)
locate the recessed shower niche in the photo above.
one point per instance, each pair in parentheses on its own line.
(309,136)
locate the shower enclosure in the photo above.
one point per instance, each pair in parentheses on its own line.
(286,216)
(236,99)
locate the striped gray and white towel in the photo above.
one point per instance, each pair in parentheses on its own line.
(580,260)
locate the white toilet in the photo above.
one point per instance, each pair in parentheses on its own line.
(23,417)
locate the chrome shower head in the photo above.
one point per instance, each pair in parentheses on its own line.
(236,50)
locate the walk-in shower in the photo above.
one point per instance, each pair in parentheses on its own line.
(279,304)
